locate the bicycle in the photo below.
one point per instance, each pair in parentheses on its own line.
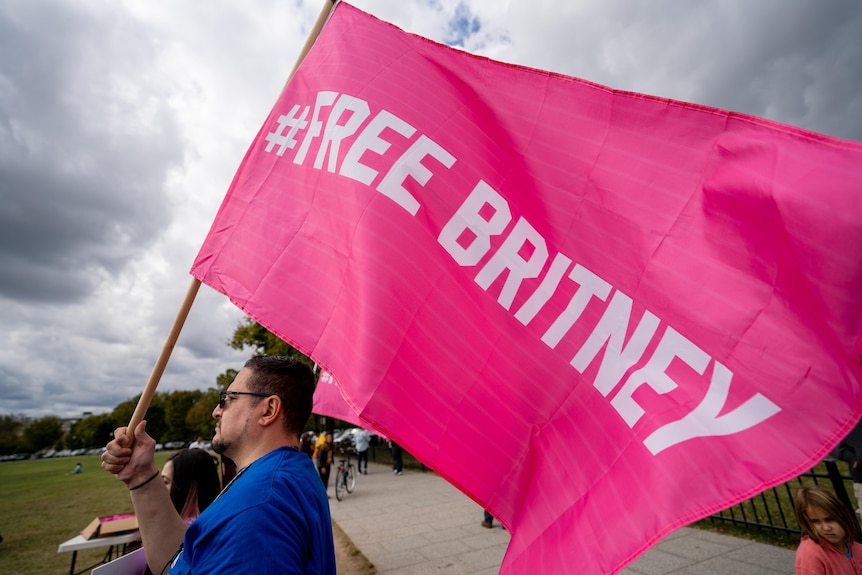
(345,477)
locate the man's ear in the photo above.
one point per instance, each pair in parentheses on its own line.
(272,412)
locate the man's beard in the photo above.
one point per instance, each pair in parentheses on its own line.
(220,446)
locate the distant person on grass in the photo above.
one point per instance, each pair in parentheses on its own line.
(273,516)
(198,443)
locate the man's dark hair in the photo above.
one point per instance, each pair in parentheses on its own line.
(288,378)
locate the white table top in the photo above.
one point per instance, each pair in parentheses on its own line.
(78,543)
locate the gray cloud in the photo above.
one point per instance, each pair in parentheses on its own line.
(793,62)
(86,142)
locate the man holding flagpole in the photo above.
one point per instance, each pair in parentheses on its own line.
(273,517)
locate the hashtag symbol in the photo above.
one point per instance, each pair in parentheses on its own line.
(292,123)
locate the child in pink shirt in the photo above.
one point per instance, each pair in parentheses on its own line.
(828,545)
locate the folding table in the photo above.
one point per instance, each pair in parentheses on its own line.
(114,543)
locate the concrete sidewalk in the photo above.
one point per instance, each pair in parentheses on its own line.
(418,524)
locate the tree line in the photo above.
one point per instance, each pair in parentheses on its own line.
(172,415)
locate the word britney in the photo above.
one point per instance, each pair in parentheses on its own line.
(485,214)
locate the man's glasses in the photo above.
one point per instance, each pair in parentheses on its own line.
(222,395)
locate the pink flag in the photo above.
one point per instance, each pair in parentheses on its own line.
(602,315)
(329,402)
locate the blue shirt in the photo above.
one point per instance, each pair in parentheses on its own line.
(273,518)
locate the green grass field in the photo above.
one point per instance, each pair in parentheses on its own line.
(41,506)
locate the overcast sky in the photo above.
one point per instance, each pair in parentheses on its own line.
(122,123)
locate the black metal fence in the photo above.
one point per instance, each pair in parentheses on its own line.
(772,510)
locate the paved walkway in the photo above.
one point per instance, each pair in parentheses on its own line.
(418,524)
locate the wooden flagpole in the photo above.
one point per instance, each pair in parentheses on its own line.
(328,5)
(164,356)
(179,321)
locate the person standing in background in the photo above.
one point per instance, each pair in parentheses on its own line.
(363,438)
(397,457)
(321,439)
(850,451)
(306,445)
(324,460)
